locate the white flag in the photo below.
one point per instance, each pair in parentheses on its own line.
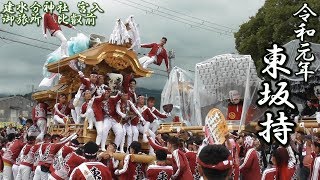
(47,82)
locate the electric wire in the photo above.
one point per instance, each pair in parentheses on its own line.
(193,17)
(1,30)
(16,41)
(189,20)
(168,17)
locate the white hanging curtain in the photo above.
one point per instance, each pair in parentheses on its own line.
(216,77)
(178,91)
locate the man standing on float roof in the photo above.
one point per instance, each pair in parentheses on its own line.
(50,23)
(156,55)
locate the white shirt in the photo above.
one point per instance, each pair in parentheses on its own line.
(159,50)
(10,130)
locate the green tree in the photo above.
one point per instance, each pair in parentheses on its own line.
(274,23)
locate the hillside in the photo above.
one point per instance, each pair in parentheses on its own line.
(3,95)
(140,91)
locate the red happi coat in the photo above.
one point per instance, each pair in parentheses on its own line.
(123,108)
(192,159)
(84,107)
(112,164)
(315,171)
(147,114)
(102,107)
(65,161)
(153,52)
(131,170)
(50,22)
(157,113)
(39,112)
(181,168)
(126,88)
(62,110)
(236,162)
(97,169)
(157,147)
(47,153)
(32,157)
(1,161)
(155,172)
(132,95)
(23,153)
(250,167)
(88,85)
(12,152)
(269,174)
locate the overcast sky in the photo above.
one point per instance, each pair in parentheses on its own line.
(21,65)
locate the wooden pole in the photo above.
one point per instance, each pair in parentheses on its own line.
(139,158)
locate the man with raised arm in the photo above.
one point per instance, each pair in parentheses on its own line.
(48,151)
(86,109)
(104,108)
(130,117)
(153,123)
(156,55)
(86,84)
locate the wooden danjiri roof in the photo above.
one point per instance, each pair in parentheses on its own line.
(104,58)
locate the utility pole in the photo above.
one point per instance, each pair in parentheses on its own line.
(32,91)
(146,99)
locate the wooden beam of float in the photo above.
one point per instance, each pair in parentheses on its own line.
(198,130)
(87,135)
(140,158)
(117,57)
(50,95)
(304,124)
(104,57)
(170,129)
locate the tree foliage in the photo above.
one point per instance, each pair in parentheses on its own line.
(274,23)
